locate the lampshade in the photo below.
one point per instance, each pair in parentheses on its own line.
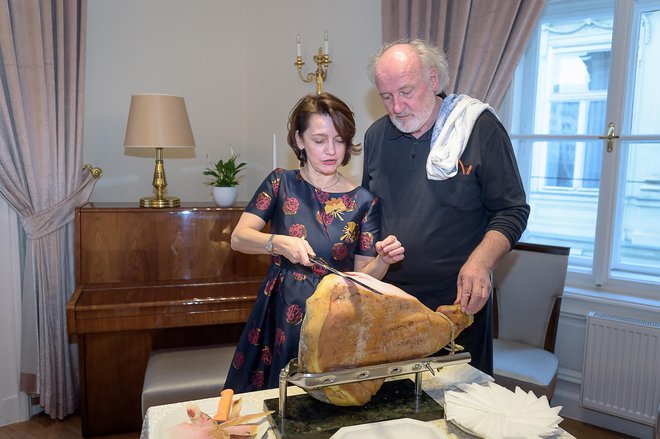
(158,121)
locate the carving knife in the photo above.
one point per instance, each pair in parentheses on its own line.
(321,263)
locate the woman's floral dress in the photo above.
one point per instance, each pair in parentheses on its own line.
(337,226)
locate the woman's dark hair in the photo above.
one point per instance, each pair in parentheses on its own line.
(322,104)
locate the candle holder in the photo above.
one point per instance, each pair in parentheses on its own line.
(322,61)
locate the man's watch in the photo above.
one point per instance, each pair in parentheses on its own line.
(269,245)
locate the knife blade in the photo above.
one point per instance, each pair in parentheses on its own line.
(321,263)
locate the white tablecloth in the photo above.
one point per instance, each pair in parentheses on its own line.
(158,418)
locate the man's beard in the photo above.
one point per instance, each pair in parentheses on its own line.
(414,123)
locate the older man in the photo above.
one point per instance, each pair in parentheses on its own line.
(449,184)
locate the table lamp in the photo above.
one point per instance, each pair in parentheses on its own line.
(158,121)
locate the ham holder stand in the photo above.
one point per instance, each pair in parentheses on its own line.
(285,423)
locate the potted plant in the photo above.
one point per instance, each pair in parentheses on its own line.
(224,174)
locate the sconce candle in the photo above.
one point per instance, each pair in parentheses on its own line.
(321,59)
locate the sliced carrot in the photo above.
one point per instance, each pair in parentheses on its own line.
(226,397)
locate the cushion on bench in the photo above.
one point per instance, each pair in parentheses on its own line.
(184,374)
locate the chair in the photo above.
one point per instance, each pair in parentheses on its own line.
(527,289)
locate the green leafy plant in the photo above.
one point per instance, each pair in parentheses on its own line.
(225,172)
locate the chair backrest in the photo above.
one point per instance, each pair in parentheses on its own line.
(527,282)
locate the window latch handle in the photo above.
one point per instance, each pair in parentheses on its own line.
(609,137)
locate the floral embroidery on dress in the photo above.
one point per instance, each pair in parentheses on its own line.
(350,232)
(266,356)
(280,338)
(253,336)
(276,182)
(339,251)
(366,241)
(294,314)
(269,286)
(322,196)
(335,207)
(349,202)
(263,201)
(319,271)
(323,218)
(239,359)
(291,206)
(257,379)
(299,276)
(298,230)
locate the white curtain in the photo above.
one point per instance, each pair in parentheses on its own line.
(42,58)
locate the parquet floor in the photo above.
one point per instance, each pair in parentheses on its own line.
(42,427)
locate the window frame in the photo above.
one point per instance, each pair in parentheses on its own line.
(603,271)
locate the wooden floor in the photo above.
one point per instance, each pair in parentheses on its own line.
(42,427)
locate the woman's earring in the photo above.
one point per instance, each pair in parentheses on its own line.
(303,157)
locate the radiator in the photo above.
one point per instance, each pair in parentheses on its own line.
(621,373)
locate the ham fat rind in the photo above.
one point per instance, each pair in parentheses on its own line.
(346,326)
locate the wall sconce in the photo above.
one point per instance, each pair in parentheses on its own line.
(158,121)
(322,59)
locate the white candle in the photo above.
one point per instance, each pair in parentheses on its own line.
(298,46)
(325,41)
(274,151)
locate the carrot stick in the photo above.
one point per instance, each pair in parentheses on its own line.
(226,397)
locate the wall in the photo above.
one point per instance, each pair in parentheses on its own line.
(570,345)
(233,63)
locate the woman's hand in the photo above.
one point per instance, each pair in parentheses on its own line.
(248,237)
(390,250)
(296,250)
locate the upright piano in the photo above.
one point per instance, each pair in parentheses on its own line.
(148,279)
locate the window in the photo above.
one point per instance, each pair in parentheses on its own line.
(590,70)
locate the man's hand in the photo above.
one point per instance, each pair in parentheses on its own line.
(473,287)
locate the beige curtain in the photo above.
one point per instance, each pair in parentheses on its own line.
(42,56)
(483,39)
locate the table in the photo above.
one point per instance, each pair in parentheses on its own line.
(434,386)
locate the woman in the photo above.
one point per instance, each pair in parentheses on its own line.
(313,211)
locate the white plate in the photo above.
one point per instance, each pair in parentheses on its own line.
(167,416)
(393,429)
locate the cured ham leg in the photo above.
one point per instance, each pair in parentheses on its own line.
(346,326)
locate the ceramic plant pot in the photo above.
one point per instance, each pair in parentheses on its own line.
(224,196)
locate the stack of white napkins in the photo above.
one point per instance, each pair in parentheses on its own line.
(450,377)
(495,412)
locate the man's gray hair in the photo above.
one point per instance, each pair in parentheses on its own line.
(430,55)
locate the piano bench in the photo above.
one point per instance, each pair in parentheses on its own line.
(184,374)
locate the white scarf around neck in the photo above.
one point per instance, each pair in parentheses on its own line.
(448,144)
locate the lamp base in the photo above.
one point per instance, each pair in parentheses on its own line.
(159,202)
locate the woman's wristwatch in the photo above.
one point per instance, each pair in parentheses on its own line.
(269,245)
